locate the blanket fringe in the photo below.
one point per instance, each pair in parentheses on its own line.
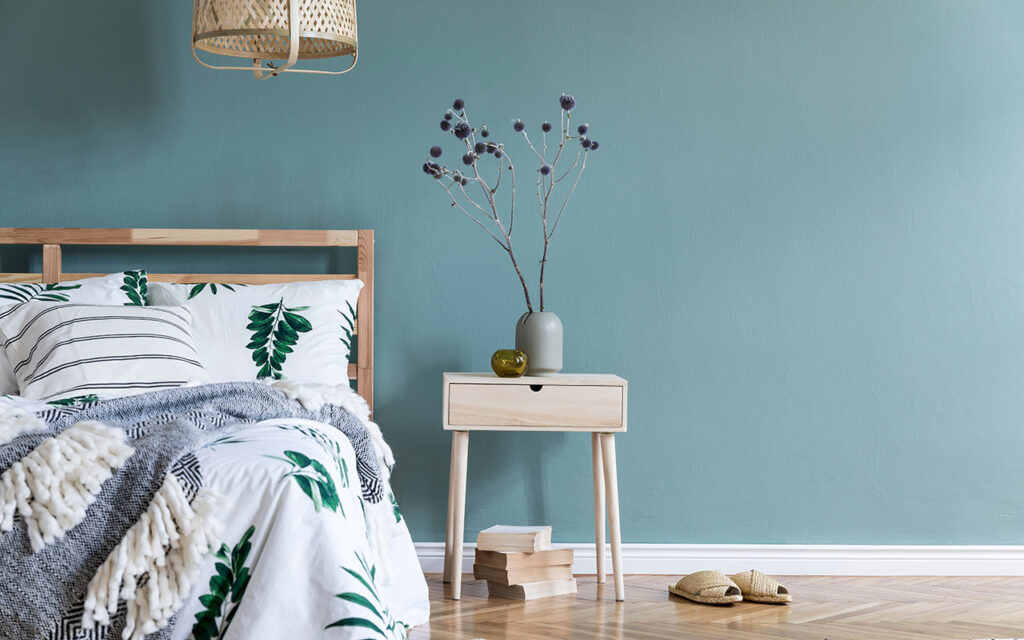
(53,485)
(380,520)
(15,421)
(168,545)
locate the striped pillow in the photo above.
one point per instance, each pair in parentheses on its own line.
(126,288)
(62,351)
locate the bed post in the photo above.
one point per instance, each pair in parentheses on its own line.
(364,311)
(51,263)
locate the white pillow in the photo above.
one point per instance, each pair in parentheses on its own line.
(299,331)
(127,288)
(62,351)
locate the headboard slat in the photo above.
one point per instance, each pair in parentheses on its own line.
(195,278)
(183,237)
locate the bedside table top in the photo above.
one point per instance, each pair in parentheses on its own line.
(588,379)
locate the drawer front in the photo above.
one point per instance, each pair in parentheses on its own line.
(520,405)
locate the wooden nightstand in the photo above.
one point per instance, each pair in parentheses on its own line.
(594,403)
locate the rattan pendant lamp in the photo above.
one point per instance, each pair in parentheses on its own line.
(274,30)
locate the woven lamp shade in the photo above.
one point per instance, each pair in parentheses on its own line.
(272,30)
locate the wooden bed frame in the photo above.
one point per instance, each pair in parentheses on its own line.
(53,239)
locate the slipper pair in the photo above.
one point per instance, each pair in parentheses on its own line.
(714,587)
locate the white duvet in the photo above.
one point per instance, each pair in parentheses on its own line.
(295,559)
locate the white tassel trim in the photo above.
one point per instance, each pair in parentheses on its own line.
(169,543)
(15,421)
(380,522)
(53,485)
(315,396)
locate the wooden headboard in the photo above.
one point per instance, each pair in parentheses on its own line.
(53,239)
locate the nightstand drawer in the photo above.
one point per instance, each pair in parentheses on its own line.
(583,407)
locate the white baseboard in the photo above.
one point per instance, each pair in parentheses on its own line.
(783,559)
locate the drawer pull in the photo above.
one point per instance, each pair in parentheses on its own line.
(536,387)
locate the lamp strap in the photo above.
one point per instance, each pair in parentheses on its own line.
(355,58)
(293,46)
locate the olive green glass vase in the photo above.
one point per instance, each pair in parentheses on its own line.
(508,363)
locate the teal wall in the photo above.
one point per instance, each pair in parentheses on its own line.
(802,241)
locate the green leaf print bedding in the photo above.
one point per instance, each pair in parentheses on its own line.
(295,559)
(227,587)
(275,332)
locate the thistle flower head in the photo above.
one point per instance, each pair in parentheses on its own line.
(479,147)
(545,169)
(448,115)
(468,159)
(567,102)
(459,104)
(593,145)
(497,153)
(583,129)
(585,142)
(461,131)
(433,169)
(546,127)
(518,125)
(445,125)
(435,151)
(484,132)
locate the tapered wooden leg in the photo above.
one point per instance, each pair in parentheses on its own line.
(449,537)
(611,487)
(460,454)
(595,445)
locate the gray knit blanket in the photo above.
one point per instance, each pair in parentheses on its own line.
(42,591)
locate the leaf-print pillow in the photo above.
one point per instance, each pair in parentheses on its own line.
(299,331)
(127,288)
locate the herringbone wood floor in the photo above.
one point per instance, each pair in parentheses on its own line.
(824,608)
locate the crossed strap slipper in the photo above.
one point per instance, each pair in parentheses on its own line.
(707,587)
(757,587)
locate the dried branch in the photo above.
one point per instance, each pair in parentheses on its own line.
(571,191)
(547,178)
(455,203)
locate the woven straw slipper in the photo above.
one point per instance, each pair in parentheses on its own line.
(707,587)
(757,587)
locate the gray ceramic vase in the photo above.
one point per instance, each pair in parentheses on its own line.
(539,335)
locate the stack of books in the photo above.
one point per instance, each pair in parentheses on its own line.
(519,563)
